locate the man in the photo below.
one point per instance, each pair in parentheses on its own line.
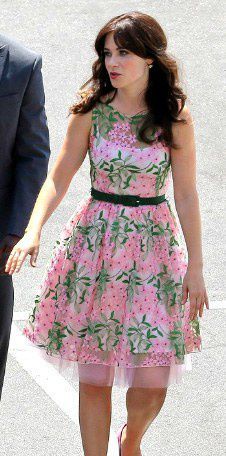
(24,157)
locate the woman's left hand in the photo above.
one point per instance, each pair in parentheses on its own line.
(194,285)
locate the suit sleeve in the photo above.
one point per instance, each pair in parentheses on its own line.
(31,152)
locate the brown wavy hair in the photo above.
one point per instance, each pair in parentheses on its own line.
(165,99)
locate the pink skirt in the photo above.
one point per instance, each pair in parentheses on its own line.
(109,306)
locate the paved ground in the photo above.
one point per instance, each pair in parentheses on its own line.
(35,416)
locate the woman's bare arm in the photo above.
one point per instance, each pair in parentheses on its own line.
(183,163)
(69,160)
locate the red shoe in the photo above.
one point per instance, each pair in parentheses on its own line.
(119,436)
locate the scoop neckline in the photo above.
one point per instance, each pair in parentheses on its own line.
(142,113)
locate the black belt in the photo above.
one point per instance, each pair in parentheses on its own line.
(127,200)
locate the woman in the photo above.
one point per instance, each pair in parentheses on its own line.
(120,302)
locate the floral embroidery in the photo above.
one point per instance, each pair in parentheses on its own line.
(112,290)
(120,135)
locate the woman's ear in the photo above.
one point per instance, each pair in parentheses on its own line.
(149,61)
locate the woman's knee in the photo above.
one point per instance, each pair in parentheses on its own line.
(88,389)
(145,398)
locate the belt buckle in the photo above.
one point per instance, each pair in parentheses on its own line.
(136,199)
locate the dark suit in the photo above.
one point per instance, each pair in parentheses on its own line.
(24,157)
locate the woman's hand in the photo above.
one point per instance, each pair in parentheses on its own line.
(6,246)
(193,284)
(28,244)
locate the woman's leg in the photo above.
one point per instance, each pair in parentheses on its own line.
(143,405)
(95,418)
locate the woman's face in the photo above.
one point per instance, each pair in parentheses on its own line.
(129,66)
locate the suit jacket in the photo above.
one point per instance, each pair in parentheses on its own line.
(24,135)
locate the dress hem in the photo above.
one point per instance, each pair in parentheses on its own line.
(102,374)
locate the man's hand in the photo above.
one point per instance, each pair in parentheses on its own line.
(6,246)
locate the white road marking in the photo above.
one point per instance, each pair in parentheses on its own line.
(217,305)
(44,374)
(48,378)
(21,316)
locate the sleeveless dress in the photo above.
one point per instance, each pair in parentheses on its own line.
(110,302)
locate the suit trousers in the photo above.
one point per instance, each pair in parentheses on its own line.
(6,315)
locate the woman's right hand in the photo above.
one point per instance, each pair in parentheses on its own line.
(27,245)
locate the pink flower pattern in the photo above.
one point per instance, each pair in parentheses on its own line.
(112,289)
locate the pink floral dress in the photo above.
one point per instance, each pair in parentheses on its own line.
(110,303)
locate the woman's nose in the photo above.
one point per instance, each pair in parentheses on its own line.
(113,62)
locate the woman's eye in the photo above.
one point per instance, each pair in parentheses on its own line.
(106,53)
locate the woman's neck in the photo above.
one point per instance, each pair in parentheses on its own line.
(126,102)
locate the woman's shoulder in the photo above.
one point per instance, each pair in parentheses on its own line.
(183,132)
(185,113)
(81,121)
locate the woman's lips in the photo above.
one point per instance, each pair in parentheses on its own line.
(114,75)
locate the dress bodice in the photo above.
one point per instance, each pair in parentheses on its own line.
(119,161)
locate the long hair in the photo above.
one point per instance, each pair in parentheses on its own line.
(142,35)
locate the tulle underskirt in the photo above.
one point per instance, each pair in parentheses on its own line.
(114,375)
